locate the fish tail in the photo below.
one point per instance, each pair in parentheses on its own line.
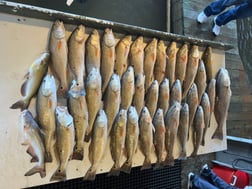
(59,175)
(22,104)
(37,169)
(218,134)
(78,154)
(194,153)
(169,161)
(114,171)
(48,157)
(126,167)
(90,175)
(146,164)
(182,156)
(159,165)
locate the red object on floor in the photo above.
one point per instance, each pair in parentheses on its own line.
(233,177)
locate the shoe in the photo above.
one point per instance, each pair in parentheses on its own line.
(202,18)
(204,169)
(189,181)
(216,28)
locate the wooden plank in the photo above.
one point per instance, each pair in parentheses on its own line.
(241,116)
(33,35)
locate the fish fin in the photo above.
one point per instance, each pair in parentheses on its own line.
(87,137)
(30,151)
(182,156)
(20,104)
(218,134)
(78,154)
(48,157)
(114,171)
(126,167)
(23,87)
(146,164)
(59,175)
(90,175)
(36,169)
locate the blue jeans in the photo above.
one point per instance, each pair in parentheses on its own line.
(209,180)
(242,9)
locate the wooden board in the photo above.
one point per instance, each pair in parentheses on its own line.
(22,40)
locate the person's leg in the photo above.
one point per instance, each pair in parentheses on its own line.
(215,180)
(199,183)
(218,6)
(240,11)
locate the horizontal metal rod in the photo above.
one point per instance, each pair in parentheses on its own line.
(52,15)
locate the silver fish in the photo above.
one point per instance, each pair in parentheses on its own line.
(164,95)
(131,140)
(32,138)
(65,141)
(93,98)
(112,99)
(205,104)
(35,74)
(161,60)
(136,55)
(146,137)
(171,126)
(181,63)
(150,55)
(200,79)
(151,98)
(59,50)
(98,144)
(192,101)
(117,141)
(171,62)
(198,129)
(159,137)
(183,130)
(78,109)
(211,91)
(107,57)
(127,88)
(176,92)
(191,69)
(46,103)
(93,52)
(138,98)
(222,101)
(122,53)
(76,54)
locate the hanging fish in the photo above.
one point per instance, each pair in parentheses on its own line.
(46,103)
(65,141)
(161,60)
(32,138)
(78,109)
(59,50)
(117,141)
(107,57)
(131,140)
(34,77)
(98,144)
(93,52)
(122,52)
(76,54)
(222,101)
(171,62)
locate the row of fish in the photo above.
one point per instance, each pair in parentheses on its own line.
(125,91)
